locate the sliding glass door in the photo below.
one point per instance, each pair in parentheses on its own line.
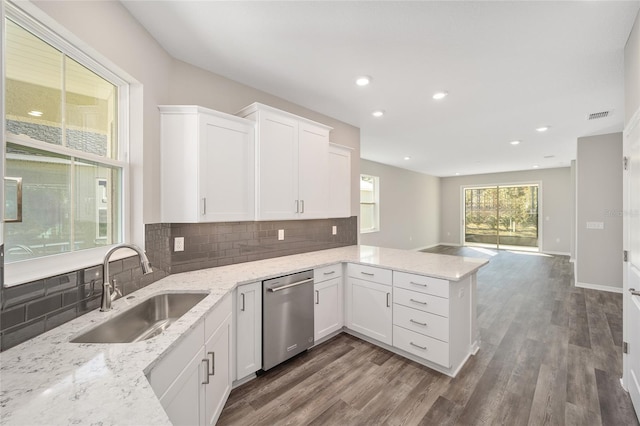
(501,216)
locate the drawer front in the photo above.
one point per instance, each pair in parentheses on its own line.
(423,346)
(427,285)
(424,302)
(370,273)
(217,315)
(421,322)
(327,273)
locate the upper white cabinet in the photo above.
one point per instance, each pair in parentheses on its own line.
(207,165)
(292,167)
(339,181)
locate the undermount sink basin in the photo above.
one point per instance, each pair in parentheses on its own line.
(143,321)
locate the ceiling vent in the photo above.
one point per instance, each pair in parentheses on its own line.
(596,115)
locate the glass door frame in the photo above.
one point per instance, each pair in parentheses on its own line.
(499,246)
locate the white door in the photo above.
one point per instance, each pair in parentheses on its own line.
(248,329)
(277,167)
(227,167)
(631,321)
(328,308)
(220,379)
(313,153)
(369,309)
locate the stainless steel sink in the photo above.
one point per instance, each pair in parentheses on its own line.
(144,321)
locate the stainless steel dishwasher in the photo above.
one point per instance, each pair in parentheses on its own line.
(287,317)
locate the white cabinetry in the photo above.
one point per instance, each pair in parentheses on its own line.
(339,181)
(194,380)
(248,329)
(328,310)
(207,165)
(292,167)
(369,304)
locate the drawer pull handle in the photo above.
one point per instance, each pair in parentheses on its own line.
(242,309)
(367,273)
(330,272)
(317,297)
(417,301)
(424,348)
(206,371)
(420,284)
(388,303)
(213,363)
(418,322)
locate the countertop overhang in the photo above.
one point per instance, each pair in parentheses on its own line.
(48,380)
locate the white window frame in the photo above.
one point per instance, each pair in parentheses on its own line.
(376,204)
(33,269)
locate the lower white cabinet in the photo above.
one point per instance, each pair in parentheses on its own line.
(328,316)
(369,309)
(248,312)
(194,380)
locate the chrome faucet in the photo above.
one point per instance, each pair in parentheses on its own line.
(111,291)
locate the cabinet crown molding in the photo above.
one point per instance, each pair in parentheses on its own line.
(257,106)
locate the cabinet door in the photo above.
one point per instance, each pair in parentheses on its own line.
(277,167)
(218,352)
(227,167)
(369,309)
(327,308)
(339,181)
(248,329)
(313,152)
(184,401)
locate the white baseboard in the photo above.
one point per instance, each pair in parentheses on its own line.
(556,253)
(449,244)
(600,287)
(426,247)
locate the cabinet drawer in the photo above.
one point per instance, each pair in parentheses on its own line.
(423,346)
(424,302)
(370,273)
(428,285)
(216,317)
(421,322)
(327,273)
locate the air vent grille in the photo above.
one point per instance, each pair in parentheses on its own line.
(596,115)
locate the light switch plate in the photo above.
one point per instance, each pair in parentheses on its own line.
(595,225)
(178,244)
(280,234)
(334,230)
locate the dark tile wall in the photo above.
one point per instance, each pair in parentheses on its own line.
(30,309)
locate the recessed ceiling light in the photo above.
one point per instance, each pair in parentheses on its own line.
(535,166)
(407,158)
(35,113)
(542,129)
(515,142)
(379,113)
(440,95)
(363,80)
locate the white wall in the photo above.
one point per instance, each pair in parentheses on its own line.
(599,199)
(556,209)
(409,208)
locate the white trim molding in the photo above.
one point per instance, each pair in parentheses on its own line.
(599,287)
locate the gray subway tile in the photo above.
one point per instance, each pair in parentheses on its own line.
(43,306)
(12,317)
(23,293)
(22,333)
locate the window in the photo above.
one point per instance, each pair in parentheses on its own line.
(369,204)
(63,120)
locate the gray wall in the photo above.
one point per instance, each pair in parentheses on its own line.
(632,72)
(599,199)
(165,80)
(556,209)
(409,208)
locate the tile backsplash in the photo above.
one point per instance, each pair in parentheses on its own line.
(30,309)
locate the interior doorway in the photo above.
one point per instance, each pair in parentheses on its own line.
(502,216)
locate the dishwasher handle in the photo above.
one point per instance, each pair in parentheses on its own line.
(282,287)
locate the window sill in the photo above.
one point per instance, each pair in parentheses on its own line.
(26,271)
(369,231)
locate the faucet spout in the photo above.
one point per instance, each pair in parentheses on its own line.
(109,290)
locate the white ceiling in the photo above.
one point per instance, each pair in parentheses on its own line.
(509,67)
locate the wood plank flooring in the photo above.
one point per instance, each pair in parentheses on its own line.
(551,354)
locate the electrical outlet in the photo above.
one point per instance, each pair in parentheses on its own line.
(595,225)
(178,244)
(334,230)
(280,234)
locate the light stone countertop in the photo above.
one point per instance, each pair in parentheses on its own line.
(49,381)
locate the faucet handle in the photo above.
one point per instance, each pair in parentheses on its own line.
(115,290)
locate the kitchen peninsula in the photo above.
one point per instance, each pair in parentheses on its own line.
(48,380)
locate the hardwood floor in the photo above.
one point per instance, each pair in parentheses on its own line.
(551,354)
